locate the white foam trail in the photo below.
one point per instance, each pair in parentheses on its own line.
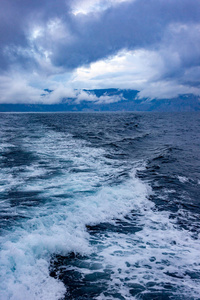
(58,225)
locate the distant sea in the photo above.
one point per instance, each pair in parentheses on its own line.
(100,206)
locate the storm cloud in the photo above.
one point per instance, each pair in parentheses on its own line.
(48,38)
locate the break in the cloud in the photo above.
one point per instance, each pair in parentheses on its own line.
(150,45)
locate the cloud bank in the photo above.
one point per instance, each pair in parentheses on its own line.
(158,42)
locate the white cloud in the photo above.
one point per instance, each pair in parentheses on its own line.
(89,96)
(128,69)
(166,89)
(88,6)
(17,87)
(58,94)
(85,96)
(16,90)
(105,99)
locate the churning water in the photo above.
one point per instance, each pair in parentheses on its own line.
(100,206)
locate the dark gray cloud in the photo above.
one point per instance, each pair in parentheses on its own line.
(140,24)
(16,21)
(180,52)
(130,25)
(66,41)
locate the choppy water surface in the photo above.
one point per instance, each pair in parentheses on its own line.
(100,206)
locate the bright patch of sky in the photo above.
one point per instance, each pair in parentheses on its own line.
(88,6)
(124,70)
(140,68)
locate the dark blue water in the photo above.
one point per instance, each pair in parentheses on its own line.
(100,206)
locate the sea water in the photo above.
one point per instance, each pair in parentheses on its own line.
(100,206)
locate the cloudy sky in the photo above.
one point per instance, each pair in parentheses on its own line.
(149,45)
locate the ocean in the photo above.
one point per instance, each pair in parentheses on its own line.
(100,206)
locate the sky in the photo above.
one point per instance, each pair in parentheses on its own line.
(68,45)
